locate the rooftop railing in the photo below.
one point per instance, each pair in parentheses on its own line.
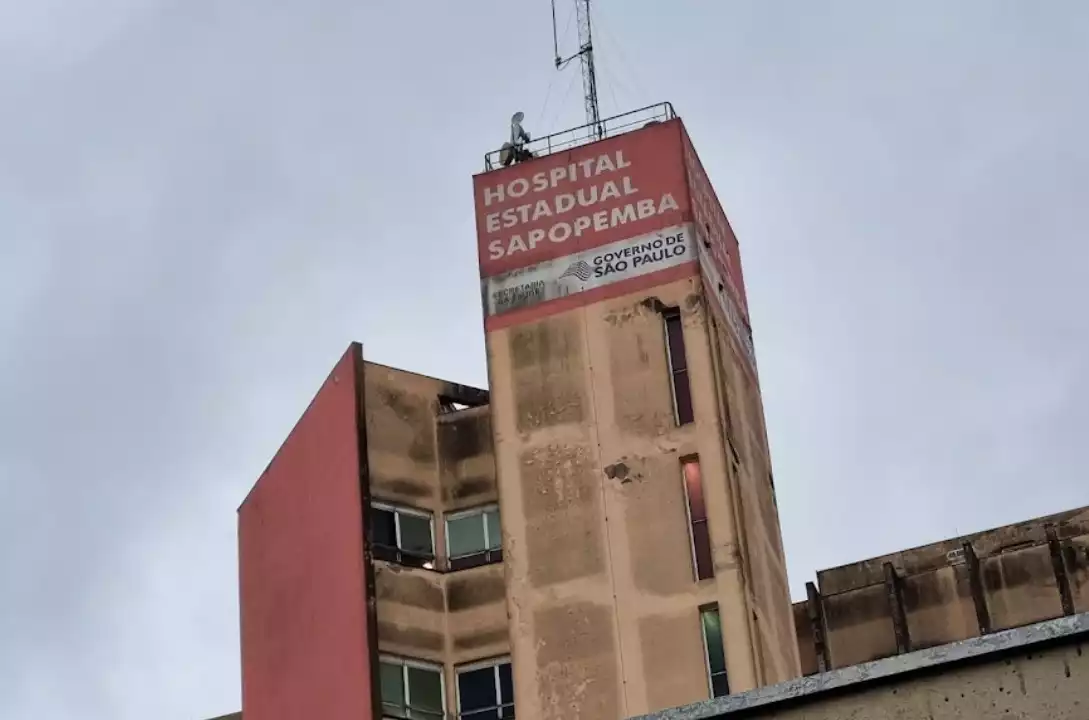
(584,134)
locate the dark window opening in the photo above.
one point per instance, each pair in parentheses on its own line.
(697,519)
(474,538)
(447,405)
(486,692)
(402,536)
(461,397)
(714,652)
(678,366)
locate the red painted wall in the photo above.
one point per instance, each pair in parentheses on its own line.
(303,590)
(559,190)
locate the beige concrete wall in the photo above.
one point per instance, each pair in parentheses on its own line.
(601,591)
(442,462)
(741,416)
(1076,561)
(1051,684)
(1016,575)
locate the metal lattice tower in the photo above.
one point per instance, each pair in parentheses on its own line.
(585,55)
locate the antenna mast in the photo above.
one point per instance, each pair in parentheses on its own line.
(585,55)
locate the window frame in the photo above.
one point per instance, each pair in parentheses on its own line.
(486,556)
(495,664)
(711,675)
(426,562)
(405,664)
(675,374)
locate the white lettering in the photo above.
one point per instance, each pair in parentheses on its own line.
(609,191)
(622,215)
(518,188)
(564,203)
(587,196)
(541,210)
(516,245)
(493,195)
(559,233)
(540,182)
(601,220)
(491,221)
(598,221)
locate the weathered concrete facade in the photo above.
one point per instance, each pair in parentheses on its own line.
(1036,671)
(947,591)
(644,562)
(603,603)
(428,450)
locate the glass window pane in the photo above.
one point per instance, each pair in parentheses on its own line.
(719,685)
(382,528)
(495,531)
(693,486)
(506,684)
(416,534)
(701,543)
(393,686)
(424,692)
(683,394)
(675,338)
(712,636)
(466,535)
(476,690)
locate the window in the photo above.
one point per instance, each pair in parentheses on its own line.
(486,691)
(411,690)
(713,651)
(697,519)
(402,536)
(678,366)
(473,537)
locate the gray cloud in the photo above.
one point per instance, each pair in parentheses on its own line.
(203,203)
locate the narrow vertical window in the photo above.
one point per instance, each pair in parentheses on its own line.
(697,519)
(713,651)
(678,366)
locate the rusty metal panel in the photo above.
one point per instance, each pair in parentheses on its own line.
(306,635)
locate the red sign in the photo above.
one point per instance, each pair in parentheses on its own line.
(713,228)
(581,198)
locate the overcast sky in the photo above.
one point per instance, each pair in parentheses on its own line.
(202,203)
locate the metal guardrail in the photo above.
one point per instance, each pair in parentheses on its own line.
(584,134)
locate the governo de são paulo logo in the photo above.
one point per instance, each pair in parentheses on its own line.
(580,269)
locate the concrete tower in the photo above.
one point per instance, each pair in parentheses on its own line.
(644,561)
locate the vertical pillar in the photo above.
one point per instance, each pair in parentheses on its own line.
(975,581)
(1061,578)
(896,609)
(814,607)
